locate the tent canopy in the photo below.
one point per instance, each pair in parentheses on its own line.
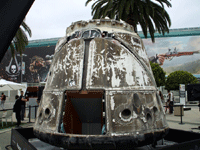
(8,85)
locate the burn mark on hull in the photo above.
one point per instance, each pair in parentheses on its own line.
(100,91)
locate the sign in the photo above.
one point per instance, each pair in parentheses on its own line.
(35,66)
(23,67)
(182,93)
(182,87)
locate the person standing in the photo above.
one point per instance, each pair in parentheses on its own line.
(167,103)
(170,99)
(17,110)
(3,99)
(23,103)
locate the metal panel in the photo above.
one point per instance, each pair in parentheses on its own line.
(133,112)
(48,117)
(137,46)
(67,67)
(19,139)
(89,66)
(112,66)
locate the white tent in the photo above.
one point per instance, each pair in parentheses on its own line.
(8,85)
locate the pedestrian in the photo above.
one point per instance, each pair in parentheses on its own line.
(167,105)
(171,103)
(17,110)
(23,103)
(3,99)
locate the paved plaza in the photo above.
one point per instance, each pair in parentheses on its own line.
(190,122)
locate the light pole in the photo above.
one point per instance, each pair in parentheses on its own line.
(23,55)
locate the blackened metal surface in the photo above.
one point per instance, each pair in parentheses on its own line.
(94,57)
(136,44)
(113,67)
(100,142)
(145,115)
(19,139)
(67,67)
(174,135)
(185,140)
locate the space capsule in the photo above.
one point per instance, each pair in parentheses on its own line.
(100,91)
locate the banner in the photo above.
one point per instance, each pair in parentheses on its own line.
(172,53)
(175,53)
(38,61)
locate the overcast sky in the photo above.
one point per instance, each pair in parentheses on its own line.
(50,18)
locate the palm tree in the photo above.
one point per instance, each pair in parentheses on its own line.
(20,40)
(150,15)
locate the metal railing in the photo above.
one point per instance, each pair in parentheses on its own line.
(29,111)
(30,107)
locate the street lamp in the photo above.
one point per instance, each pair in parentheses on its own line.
(23,55)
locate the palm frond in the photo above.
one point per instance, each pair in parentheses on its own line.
(149,14)
(87,2)
(26,28)
(20,41)
(165,2)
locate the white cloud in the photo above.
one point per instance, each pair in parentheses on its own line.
(49,19)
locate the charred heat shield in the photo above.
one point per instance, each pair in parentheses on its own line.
(100,91)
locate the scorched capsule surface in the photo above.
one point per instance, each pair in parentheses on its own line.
(100,91)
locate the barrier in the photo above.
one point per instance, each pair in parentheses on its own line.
(23,138)
(29,112)
(182,111)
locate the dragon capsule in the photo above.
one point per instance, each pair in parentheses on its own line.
(100,91)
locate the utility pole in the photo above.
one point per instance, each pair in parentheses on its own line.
(21,65)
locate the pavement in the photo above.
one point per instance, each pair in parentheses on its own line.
(5,134)
(190,122)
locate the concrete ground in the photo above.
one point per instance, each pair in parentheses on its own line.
(5,134)
(190,122)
